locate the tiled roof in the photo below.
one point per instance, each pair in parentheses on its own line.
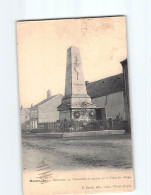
(42,102)
(106,86)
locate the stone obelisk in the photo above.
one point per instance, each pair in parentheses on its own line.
(76,103)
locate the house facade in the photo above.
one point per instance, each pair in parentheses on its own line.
(45,111)
(111,96)
(25,118)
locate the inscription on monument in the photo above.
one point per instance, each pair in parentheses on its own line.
(76,67)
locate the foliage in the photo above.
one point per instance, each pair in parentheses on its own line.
(78,126)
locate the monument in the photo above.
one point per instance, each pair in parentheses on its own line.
(76,103)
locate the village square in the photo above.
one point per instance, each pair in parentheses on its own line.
(87,126)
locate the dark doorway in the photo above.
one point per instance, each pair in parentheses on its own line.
(100,114)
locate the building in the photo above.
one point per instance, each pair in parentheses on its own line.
(111,96)
(25,118)
(45,111)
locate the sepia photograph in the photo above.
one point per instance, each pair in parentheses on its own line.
(74,106)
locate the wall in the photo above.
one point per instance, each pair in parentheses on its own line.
(24,118)
(47,112)
(126,91)
(34,113)
(65,115)
(113,103)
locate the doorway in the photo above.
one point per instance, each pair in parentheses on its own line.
(100,114)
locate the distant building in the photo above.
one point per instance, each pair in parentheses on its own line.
(25,118)
(45,111)
(111,96)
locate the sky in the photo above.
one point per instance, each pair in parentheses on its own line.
(42,52)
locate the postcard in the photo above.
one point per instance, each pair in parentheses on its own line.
(74,106)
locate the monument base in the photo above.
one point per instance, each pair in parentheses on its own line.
(78,114)
(77,111)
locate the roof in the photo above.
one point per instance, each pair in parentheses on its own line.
(43,101)
(124,62)
(106,86)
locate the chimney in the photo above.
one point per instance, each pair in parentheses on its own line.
(21,107)
(48,94)
(31,105)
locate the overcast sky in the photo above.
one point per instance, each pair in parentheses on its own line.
(42,51)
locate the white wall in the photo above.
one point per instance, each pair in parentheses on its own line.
(47,112)
(114,106)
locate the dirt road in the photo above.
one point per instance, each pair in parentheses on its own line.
(111,151)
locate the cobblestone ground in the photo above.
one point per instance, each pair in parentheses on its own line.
(111,151)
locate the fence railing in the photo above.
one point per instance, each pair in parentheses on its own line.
(77,126)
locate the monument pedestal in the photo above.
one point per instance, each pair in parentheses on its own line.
(76,104)
(77,108)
